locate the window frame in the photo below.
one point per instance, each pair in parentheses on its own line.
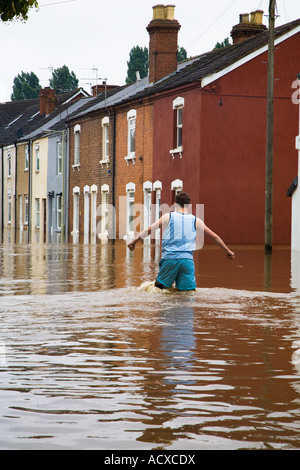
(178,105)
(131,141)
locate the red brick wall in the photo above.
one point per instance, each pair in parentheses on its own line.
(141,171)
(90,171)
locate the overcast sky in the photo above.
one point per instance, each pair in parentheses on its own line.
(94,37)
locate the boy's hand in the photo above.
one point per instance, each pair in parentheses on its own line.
(230,255)
(131,246)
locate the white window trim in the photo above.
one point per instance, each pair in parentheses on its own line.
(86,216)
(130,188)
(9,207)
(58,211)
(105,125)
(59,160)
(9,169)
(103,236)
(37,158)
(147,187)
(76,193)
(26,158)
(130,155)
(178,103)
(177,186)
(157,187)
(77,130)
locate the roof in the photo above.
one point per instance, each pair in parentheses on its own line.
(218,59)
(18,118)
(193,70)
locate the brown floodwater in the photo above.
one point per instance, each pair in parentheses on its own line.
(93,357)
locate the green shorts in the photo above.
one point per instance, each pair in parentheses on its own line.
(181,270)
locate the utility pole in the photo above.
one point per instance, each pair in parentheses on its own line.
(269,145)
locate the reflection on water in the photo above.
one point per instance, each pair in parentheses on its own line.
(89,360)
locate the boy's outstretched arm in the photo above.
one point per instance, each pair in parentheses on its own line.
(216,239)
(161,223)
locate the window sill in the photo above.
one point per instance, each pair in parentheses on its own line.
(177,151)
(130,158)
(76,166)
(104,162)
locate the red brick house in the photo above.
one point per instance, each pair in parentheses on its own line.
(198,126)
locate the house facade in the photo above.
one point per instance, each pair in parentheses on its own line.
(210,135)
(30,164)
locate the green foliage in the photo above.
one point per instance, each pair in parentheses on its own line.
(224,43)
(181,54)
(17,9)
(63,80)
(138,61)
(25,86)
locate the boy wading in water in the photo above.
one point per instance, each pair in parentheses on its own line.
(180,229)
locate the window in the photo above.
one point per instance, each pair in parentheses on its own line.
(77,145)
(105,140)
(178,105)
(86,192)
(9,164)
(130,189)
(59,158)
(179,128)
(105,206)
(58,211)
(37,213)
(76,192)
(131,119)
(37,157)
(26,163)
(9,208)
(147,206)
(26,217)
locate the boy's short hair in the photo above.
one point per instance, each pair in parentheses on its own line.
(182,199)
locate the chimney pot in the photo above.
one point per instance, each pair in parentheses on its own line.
(170,12)
(159,12)
(244,18)
(246,29)
(257,16)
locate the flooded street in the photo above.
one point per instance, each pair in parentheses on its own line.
(89,359)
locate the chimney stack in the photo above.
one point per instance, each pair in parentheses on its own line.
(163,45)
(47,100)
(249,26)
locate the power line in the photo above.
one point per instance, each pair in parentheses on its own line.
(212,24)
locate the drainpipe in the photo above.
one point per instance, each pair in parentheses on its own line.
(16,187)
(66,182)
(113,175)
(2,194)
(29,188)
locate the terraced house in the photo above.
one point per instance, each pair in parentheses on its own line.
(26,161)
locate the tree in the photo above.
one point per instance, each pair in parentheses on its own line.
(224,43)
(25,86)
(181,54)
(138,62)
(63,80)
(17,9)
